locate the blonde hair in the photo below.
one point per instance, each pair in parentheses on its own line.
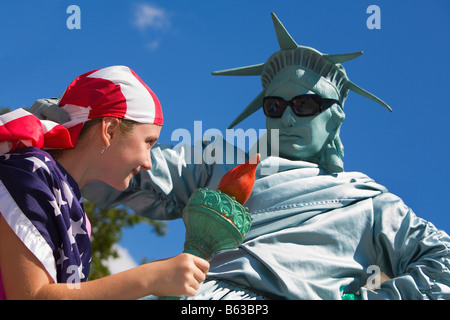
(125,126)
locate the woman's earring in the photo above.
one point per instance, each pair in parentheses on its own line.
(104,149)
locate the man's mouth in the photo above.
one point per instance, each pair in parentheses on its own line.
(289,137)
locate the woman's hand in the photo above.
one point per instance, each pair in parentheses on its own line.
(179,276)
(24,277)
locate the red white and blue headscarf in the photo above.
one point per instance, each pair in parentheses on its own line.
(115,91)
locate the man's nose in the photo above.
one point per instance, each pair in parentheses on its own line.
(288,117)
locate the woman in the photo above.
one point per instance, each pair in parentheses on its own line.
(44,233)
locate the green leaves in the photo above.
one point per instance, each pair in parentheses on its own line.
(107,226)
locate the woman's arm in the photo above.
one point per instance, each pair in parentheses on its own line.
(162,192)
(24,277)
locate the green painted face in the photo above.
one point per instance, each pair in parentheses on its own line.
(300,138)
(295,70)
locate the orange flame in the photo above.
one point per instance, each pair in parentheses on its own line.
(239,181)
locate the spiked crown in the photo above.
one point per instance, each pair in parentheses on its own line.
(319,70)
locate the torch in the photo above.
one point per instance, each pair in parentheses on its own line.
(216,220)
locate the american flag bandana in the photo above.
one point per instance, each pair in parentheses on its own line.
(115,91)
(41,203)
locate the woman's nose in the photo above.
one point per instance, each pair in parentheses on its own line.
(288,117)
(147,165)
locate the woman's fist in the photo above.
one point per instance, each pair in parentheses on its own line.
(180,275)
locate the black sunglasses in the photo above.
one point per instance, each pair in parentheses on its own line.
(305,105)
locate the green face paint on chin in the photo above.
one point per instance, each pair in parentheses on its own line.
(301,138)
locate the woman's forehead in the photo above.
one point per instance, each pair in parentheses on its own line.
(148,130)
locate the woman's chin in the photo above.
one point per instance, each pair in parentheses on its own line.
(121,185)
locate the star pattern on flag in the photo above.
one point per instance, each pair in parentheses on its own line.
(67,193)
(77,227)
(38,164)
(58,197)
(62,256)
(53,204)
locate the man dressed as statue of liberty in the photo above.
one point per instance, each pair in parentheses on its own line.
(318,232)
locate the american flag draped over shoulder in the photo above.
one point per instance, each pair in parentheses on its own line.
(41,203)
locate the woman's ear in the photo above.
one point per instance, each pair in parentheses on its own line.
(109,129)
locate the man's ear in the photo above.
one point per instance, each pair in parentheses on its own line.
(109,129)
(334,126)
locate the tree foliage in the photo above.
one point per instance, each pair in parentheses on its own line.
(107,225)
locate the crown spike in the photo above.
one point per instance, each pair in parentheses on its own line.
(254,106)
(353,87)
(254,70)
(284,38)
(341,58)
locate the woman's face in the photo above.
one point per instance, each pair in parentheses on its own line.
(128,154)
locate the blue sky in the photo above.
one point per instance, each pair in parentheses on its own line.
(175,45)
